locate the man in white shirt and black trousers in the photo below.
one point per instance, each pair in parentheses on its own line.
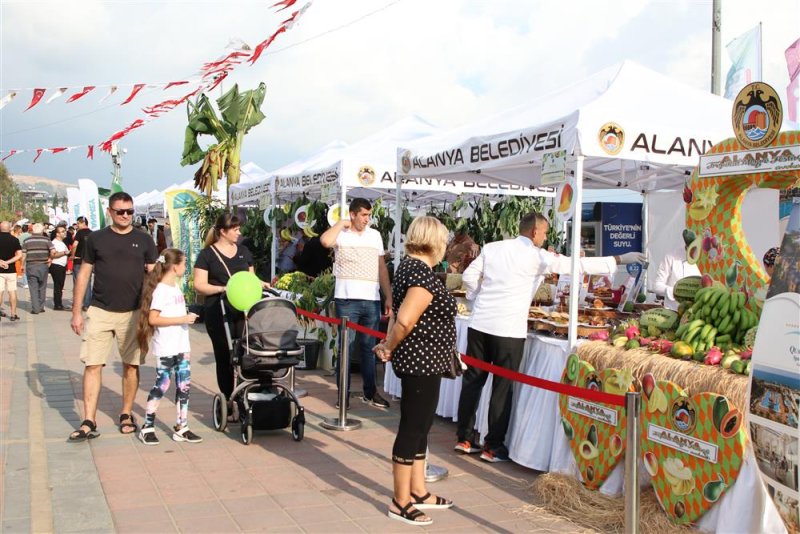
(502,281)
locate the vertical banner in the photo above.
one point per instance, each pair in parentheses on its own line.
(90,202)
(185,233)
(73,204)
(775,379)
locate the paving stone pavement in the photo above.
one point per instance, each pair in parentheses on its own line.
(328,482)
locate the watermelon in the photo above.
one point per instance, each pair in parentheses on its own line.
(661,318)
(685,288)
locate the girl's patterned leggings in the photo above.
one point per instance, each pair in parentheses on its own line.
(166,364)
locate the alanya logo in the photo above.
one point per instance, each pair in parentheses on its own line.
(611,138)
(757,115)
(366,175)
(405,162)
(684,415)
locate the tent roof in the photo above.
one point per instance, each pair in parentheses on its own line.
(665,126)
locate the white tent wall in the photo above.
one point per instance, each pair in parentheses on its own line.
(666,219)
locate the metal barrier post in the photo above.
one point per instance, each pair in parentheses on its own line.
(342,422)
(633,406)
(434,473)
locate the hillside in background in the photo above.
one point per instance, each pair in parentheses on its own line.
(41,183)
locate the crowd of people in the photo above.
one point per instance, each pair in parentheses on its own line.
(126,292)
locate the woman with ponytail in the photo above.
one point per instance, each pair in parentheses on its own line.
(164,329)
(221,258)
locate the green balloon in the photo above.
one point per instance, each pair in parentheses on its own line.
(244,290)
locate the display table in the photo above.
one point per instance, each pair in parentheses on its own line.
(536,439)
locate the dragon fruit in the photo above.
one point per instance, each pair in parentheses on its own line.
(746,354)
(645,341)
(600,335)
(666,346)
(632,332)
(713,356)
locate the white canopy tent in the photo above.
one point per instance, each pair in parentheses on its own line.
(367,169)
(624,127)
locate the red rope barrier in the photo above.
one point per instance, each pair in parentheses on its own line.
(318,317)
(549,385)
(364,330)
(558,387)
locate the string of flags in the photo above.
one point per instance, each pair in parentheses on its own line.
(209,76)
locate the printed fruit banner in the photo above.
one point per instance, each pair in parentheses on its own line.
(185,233)
(692,447)
(714,236)
(596,431)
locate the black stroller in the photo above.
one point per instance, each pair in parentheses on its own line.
(264,397)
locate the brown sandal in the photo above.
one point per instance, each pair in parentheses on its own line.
(81,435)
(127,421)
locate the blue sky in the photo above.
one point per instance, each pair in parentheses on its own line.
(449,61)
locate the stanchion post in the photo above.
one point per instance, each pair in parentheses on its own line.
(633,406)
(342,422)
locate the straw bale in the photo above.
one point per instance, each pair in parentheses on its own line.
(691,376)
(565,496)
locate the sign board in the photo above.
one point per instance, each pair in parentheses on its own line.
(554,167)
(621,228)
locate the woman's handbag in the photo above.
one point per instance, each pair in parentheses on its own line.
(456,367)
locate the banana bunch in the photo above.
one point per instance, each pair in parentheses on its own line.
(308,231)
(718,318)
(286,234)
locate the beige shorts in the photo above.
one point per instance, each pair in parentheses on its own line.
(102,327)
(8,281)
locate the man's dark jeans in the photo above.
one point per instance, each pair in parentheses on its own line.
(366,313)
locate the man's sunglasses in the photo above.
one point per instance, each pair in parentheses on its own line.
(124,212)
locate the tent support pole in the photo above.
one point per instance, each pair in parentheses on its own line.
(575,254)
(645,230)
(274,251)
(398,221)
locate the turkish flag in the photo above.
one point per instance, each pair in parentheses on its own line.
(38,154)
(90,153)
(10,153)
(173,84)
(37,95)
(86,90)
(57,150)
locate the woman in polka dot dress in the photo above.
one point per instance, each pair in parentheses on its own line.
(419,343)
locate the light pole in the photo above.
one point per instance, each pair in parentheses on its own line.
(116,164)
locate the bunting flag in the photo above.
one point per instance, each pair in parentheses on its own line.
(80,94)
(111,91)
(37,95)
(136,88)
(211,76)
(173,84)
(285,3)
(60,91)
(8,98)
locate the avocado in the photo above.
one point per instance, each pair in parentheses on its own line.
(694,250)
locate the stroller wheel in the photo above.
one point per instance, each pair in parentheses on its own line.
(298,429)
(247,433)
(220,411)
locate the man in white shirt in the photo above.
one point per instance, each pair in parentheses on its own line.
(502,281)
(672,268)
(360,272)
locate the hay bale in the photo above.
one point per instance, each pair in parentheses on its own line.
(568,498)
(691,376)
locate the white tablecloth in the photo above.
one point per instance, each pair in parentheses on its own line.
(535,438)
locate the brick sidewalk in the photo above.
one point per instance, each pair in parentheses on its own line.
(329,482)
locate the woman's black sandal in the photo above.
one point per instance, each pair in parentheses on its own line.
(82,435)
(440,504)
(409,515)
(126,420)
